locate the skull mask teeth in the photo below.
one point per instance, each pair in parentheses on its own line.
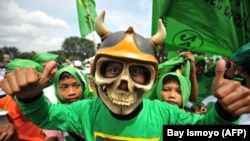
(119,102)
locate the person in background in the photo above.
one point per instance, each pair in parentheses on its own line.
(3,63)
(182,64)
(71,85)
(2,74)
(87,70)
(192,77)
(204,86)
(177,85)
(6,59)
(174,88)
(68,63)
(78,64)
(125,66)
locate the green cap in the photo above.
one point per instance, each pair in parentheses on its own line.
(23,63)
(242,55)
(45,57)
(198,59)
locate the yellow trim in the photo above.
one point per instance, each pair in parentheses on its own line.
(7,103)
(98,134)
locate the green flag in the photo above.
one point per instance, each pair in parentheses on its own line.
(86,16)
(207,26)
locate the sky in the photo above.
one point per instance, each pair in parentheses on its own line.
(42,26)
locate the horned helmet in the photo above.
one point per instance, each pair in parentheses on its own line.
(130,50)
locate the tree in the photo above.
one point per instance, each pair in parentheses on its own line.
(26,55)
(76,48)
(11,51)
(61,55)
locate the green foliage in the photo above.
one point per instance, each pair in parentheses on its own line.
(26,55)
(11,51)
(76,48)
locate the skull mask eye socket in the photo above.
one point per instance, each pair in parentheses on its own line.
(138,73)
(111,69)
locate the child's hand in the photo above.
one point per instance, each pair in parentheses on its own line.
(202,108)
(26,83)
(199,109)
(189,56)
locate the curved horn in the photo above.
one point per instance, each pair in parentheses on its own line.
(160,35)
(100,28)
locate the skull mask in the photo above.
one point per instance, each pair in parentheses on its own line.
(125,66)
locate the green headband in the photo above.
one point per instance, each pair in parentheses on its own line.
(198,59)
(242,55)
(23,63)
(45,57)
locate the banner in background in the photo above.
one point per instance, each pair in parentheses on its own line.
(86,16)
(215,27)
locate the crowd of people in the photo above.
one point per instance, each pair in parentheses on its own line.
(131,91)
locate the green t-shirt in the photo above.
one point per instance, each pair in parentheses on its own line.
(92,119)
(204,88)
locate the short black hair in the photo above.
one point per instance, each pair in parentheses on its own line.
(171,78)
(65,75)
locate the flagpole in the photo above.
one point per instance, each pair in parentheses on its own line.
(91,25)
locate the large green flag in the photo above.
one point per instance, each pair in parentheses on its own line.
(86,16)
(207,26)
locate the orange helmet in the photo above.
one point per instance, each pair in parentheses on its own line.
(127,44)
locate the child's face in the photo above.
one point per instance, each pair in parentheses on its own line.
(171,92)
(70,90)
(200,68)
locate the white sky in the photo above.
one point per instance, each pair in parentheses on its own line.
(41,26)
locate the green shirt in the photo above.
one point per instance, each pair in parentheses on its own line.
(204,88)
(91,118)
